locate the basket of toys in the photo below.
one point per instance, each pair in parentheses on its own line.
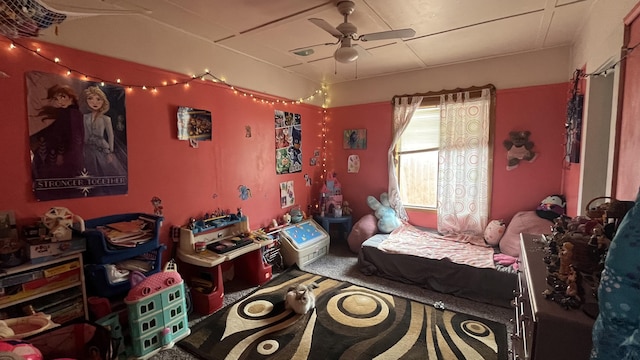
(606,206)
(598,206)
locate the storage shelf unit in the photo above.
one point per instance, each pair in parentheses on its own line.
(101,253)
(14,303)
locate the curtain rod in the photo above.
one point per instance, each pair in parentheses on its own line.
(432,94)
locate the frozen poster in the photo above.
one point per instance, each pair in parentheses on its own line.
(288,138)
(77,137)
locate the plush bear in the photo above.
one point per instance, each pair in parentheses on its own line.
(519,147)
(387,218)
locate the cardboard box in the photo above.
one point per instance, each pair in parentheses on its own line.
(59,269)
(37,250)
(53,281)
(20,278)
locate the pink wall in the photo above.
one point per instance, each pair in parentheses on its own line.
(540,109)
(185,178)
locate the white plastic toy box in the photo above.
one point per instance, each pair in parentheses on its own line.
(303,243)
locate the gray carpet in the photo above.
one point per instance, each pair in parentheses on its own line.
(341,264)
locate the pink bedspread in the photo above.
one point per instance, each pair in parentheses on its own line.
(457,248)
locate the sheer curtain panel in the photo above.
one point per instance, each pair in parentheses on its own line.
(403,109)
(463,164)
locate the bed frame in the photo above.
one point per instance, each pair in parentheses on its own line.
(479,284)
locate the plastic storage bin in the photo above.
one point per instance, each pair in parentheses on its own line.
(100,251)
(97,280)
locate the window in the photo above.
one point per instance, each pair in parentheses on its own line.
(417,159)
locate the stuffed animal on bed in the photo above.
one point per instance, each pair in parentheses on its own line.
(551,207)
(387,218)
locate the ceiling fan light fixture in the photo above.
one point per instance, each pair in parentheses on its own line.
(304,52)
(346,54)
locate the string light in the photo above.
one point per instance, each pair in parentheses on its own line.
(204,76)
(604,72)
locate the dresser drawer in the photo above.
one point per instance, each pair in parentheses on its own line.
(524,326)
(546,331)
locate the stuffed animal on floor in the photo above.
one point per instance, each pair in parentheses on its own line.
(387,218)
(300,298)
(519,147)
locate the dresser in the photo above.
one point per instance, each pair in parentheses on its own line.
(543,329)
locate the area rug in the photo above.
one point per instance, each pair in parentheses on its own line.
(349,322)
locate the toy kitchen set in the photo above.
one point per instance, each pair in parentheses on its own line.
(213,245)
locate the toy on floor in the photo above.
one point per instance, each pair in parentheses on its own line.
(22,327)
(157,311)
(22,350)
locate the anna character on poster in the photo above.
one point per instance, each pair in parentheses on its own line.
(57,148)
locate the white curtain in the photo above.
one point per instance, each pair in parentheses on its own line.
(403,109)
(463,164)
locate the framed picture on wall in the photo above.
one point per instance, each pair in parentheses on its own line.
(355,139)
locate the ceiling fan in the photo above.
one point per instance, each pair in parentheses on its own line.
(346,33)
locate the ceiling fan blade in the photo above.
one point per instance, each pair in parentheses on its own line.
(362,52)
(391,34)
(312,46)
(326,27)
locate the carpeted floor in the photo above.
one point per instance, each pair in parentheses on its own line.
(349,322)
(341,264)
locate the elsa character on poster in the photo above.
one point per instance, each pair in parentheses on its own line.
(99,152)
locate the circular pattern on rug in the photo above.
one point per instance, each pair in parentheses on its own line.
(268,347)
(475,328)
(357,309)
(258,308)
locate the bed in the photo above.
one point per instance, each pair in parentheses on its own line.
(475,275)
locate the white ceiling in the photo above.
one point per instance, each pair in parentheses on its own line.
(241,32)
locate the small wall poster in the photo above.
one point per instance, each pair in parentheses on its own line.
(288,138)
(355,139)
(287,195)
(353,165)
(194,125)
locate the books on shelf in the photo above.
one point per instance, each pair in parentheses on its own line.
(129,233)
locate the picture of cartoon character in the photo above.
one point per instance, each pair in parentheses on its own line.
(57,148)
(75,150)
(100,156)
(295,151)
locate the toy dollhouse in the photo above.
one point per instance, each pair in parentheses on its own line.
(157,312)
(330,195)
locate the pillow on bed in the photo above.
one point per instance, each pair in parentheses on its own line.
(363,229)
(527,222)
